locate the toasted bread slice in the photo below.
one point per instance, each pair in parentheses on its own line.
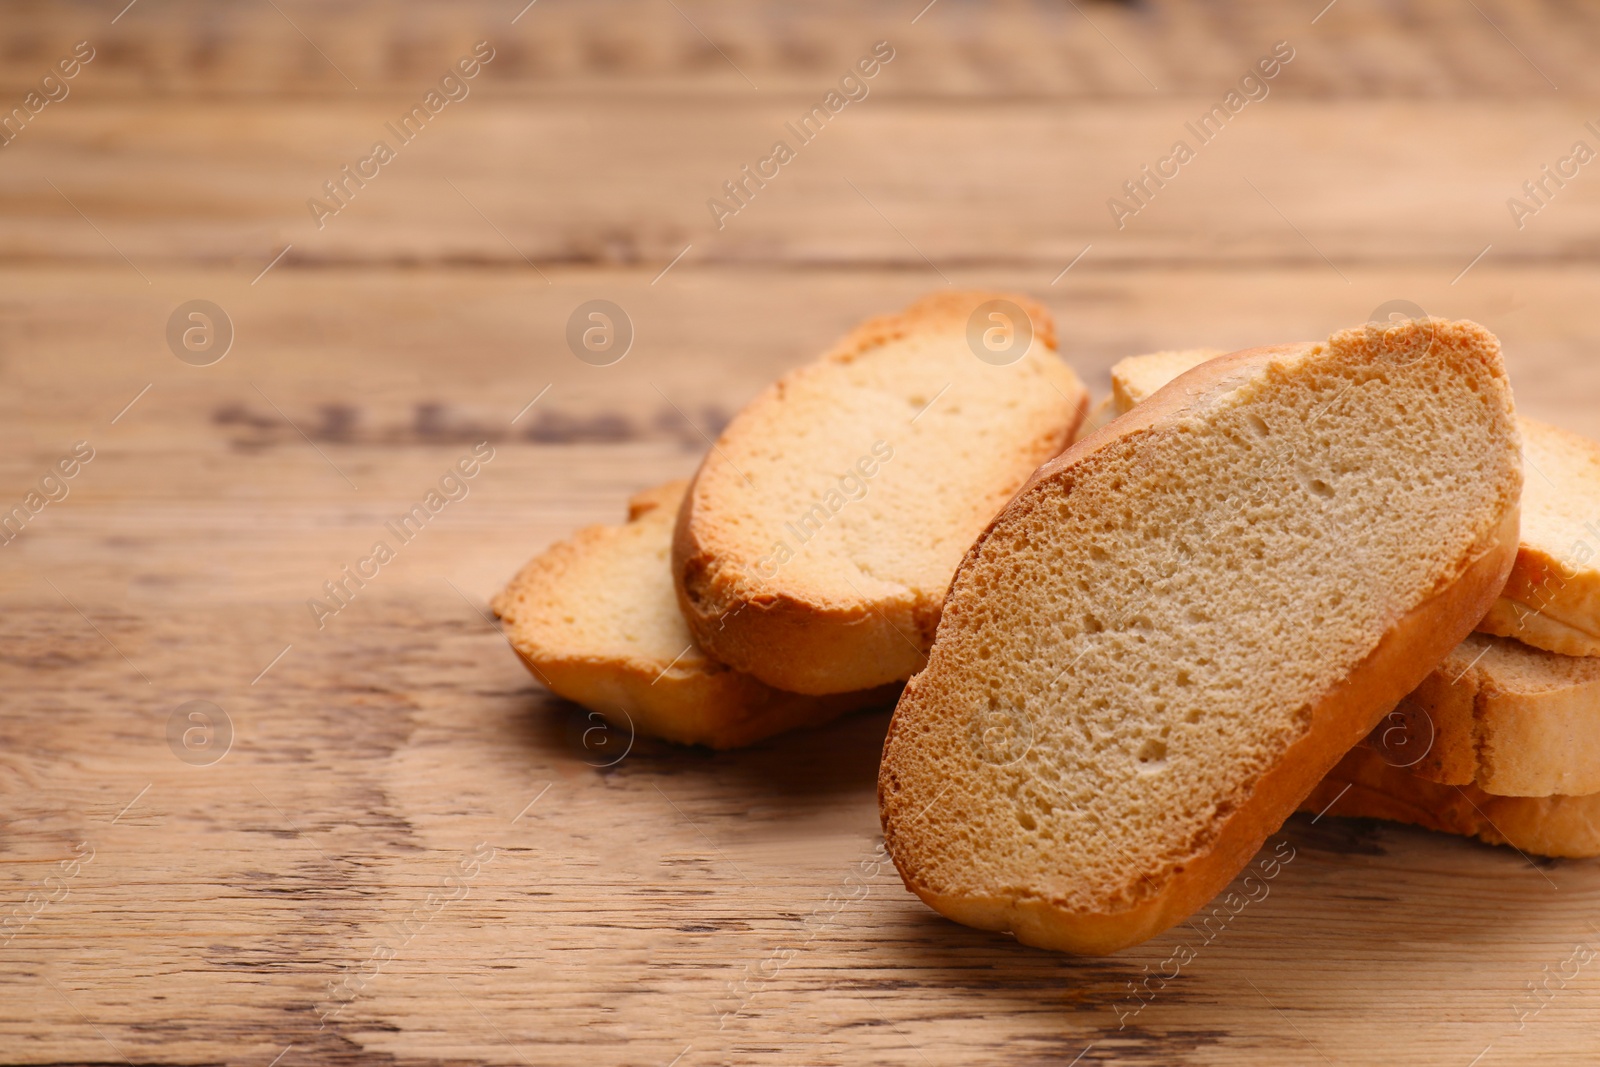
(1510,718)
(1513,720)
(817,540)
(596,620)
(1364,785)
(1552,600)
(1169,636)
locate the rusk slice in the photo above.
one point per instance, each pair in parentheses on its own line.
(596,620)
(1513,720)
(1552,600)
(1177,628)
(819,536)
(1364,785)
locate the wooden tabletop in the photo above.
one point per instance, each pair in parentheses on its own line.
(230,836)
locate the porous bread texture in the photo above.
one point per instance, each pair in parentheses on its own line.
(1138,378)
(1552,600)
(1364,785)
(819,535)
(1178,627)
(1513,720)
(595,618)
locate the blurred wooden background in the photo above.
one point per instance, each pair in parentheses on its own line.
(672,907)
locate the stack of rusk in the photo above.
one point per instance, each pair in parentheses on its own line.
(1124,644)
(899,415)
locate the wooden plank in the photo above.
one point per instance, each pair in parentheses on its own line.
(190,48)
(676,903)
(672,906)
(411,358)
(529,185)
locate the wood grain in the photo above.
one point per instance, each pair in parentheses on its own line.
(954,48)
(668,905)
(955,190)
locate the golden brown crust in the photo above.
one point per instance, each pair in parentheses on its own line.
(716,707)
(1511,719)
(1518,613)
(1137,378)
(1172,398)
(806,639)
(1363,785)
(803,640)
(666,495)
(679,696)
(1338,722)
(936,311)
(1433,727)
(811,643)
(1340,719)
